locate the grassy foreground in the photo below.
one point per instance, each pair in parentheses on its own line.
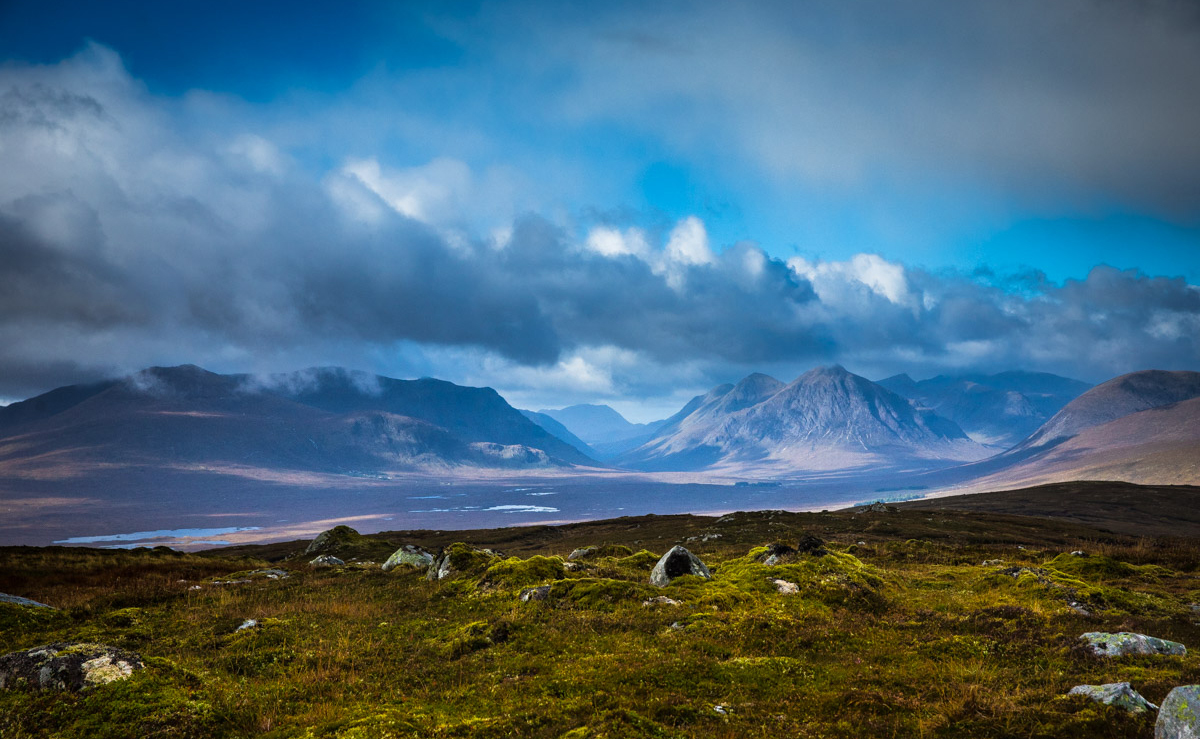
(906,634)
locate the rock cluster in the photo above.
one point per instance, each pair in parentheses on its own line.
(67,666)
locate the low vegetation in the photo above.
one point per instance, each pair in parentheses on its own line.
(901,624)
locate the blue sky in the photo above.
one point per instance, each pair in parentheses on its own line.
(886,161)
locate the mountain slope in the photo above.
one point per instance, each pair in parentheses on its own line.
(1000,409)
(1121,396)
(1156,446)
(598,424)
(559,431)
(186,417)
(827,419)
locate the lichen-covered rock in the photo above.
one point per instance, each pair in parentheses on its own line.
(785,587)
(327,560)
(677,563)
(67,666)
(1179,717)
(541,592)
(333,538)
(460,559)
(659,600)
(408,556)
(19,601)
(1120,695)
(581,553)
(1125,642)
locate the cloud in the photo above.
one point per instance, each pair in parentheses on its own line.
(126,241)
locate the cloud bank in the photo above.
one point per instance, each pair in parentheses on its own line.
(128,237)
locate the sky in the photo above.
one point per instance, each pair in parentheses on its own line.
(623,203)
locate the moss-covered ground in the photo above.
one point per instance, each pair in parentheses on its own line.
(900,630)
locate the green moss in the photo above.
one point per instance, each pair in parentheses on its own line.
(1099,567)
(518,573)
(643,560)
(598,593)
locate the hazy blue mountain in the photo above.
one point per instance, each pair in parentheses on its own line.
(323,421)
(827,419)
(1000,409)
(560,431)
(599,424)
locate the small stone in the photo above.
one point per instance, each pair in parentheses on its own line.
(862,543)
(1080,553)
(992,562)
(1115,694)
(327,560)
(408,556)
(1179,717)
(721,709)
(19,601)
(247,624)
(195,587)
(676,563)
(785,587)
(581,553)
(272,573)
(542,592)
(1124,643)
(677,626)
(659,600)
(67,666)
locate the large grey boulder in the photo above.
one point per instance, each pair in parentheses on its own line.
(677,563)
(408,556)
(1179,717)
(19,601)
(67,666)
(1120,695)
(1125,642)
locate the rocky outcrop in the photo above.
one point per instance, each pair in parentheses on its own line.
(677,563)
(1125,643)
(19,601)
(1115,694)
(1179,717)
(333,538)
(67,666)
(327,560)
(408,556)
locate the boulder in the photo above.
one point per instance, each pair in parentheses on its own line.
(542,592)
(1179,717)
(581,553)
(460,559)
(335,537)
(327,560)
(249,623)
(67,666)
(1115,694)
(19,601)
(1125,642)
(676,563)
(408,556)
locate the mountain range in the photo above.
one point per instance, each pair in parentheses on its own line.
(999,410)
(324,420)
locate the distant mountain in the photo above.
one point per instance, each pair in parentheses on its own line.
(827,419)
(1000,409)
(560,431)
(1156,446)
(1119,397)
(599,424)
(325,420)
